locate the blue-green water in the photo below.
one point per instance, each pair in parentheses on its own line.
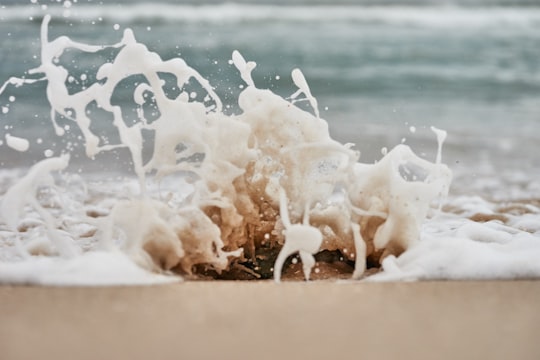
(378,71)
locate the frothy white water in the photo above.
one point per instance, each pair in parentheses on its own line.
(471,251)
(95,268)
(423,16)
(218,189)
(477,240)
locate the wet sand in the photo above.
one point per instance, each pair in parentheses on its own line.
(262,320)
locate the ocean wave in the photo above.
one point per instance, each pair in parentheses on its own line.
(424,16)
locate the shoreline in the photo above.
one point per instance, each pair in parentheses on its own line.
(264,320)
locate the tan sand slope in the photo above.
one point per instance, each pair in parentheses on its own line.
(262,320)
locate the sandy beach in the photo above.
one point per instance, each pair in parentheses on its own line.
(262,320)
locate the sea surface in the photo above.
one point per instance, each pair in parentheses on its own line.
(378,69)
(383,72)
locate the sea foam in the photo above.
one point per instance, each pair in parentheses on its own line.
(240,188)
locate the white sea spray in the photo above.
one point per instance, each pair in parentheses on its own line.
(269,175)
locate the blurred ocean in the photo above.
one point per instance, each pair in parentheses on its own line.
(382,71)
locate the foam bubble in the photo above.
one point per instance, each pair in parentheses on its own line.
(17,143)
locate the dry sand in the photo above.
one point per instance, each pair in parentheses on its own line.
(262,320)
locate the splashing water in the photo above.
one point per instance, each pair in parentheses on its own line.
(246,185)
(272,145)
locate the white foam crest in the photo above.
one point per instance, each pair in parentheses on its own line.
(425,16)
